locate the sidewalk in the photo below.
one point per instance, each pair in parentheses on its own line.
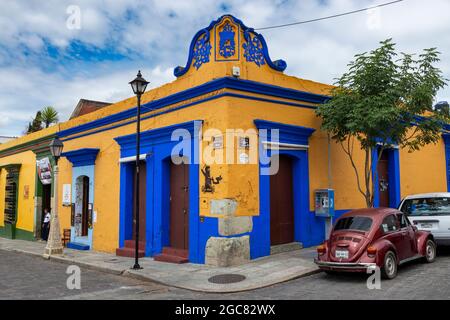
(258,273)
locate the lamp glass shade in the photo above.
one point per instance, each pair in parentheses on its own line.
(56,147)
(139,84)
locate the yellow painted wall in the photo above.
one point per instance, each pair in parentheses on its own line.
(107,172)
(27,176)
(423,171)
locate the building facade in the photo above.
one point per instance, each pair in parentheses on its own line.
(208,142)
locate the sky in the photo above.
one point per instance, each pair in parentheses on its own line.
(50,57)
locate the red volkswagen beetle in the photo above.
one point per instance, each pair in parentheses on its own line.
(374,237)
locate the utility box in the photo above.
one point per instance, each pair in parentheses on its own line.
(324,202)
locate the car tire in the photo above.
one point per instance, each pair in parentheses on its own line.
(389,269)
(430,251)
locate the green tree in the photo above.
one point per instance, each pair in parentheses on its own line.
(49,115)
(35,124)
(384,99)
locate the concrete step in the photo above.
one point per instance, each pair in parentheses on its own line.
(184,253)
(129,252)
(164,257)
(132,244)
(287,247)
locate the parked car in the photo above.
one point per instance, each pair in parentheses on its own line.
(430,212)
(366,238)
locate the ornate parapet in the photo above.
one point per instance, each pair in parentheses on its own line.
(228,39)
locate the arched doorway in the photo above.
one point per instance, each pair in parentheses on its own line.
(81,218)
(282,203)
(179,205)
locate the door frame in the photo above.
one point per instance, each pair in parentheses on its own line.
(292,141)
(157,146)
(292,163)
(393,176)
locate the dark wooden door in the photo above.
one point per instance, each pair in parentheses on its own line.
(142,201)
(46,202)
(282,204)
(179,206)
(383,179)
(85,215)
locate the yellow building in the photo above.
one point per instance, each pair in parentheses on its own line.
(209,143)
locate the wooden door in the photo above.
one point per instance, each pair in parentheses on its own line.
(282,204)
(46,202)
(179,206)
(383,179)
(142,200)
(85,214)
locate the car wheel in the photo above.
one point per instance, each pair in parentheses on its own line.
(430,251)
(389,270)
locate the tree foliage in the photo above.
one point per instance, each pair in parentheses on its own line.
(35,124)
(49,116)
(385,99)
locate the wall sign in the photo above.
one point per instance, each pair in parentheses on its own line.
(67,195)
(44,170)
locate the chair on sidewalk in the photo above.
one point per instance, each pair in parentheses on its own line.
(66,237)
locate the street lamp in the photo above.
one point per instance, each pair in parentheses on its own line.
(138,85)
(54,245)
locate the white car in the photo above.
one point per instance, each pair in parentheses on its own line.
(430,212)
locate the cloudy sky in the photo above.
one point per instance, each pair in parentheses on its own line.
(45,59)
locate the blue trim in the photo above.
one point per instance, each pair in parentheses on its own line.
(211,86)
(158,145)
(279,65)
(81,157)
(238,45)
(393,176)
(288,133)
(446,137)
(77,246)
(225,94)
(308,228)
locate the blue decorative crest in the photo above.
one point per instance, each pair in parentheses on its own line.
(202,50)
(255,47)
(226,44)
(253,50)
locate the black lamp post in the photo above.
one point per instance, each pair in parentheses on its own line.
(138,85)
(54,245)
(56,147)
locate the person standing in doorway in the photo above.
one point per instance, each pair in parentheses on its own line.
(46,225)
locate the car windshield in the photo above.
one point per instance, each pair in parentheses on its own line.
(427,207)
(354,223)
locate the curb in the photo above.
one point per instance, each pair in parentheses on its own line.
(135,275)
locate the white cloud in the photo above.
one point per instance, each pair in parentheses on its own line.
(155,35)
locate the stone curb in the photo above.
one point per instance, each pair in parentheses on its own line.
(138,276)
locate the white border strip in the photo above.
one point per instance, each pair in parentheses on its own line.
(283,146)
(132,158)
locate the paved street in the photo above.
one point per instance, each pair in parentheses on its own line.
(31,277)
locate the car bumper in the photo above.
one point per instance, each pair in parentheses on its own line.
(442,241)
(344,266)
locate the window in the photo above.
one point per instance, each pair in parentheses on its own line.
(403,220)
(427,207)
(354,223)
(390,224)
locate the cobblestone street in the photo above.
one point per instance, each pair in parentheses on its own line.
(30,277)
